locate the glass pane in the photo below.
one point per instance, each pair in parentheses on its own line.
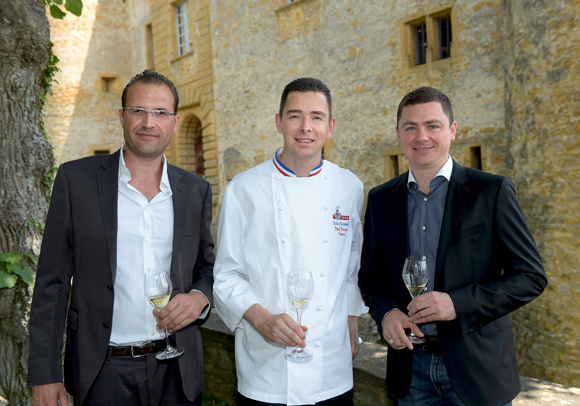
(420,44)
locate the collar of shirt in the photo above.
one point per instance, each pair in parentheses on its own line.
(445,171)
(287,171)
(125,174)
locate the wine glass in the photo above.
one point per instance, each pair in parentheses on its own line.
(415,276)
(300,287)
(158,290)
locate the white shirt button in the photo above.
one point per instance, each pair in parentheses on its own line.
(322,274)
(423,257)
(425,198)
(423,228)
(326,240)
(326,207)
(319,308)
(317,344)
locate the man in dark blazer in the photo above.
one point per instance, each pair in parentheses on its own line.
(483,263)
(110,219)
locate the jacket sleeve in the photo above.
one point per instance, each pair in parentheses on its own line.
(51,290)
(232,291)
(206,258)
(356,306)
(522,278)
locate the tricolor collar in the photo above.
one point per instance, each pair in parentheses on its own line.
(287,171)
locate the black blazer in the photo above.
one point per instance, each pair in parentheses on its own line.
(80,241)
(487,261)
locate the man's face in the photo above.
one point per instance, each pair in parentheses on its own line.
(147,137)
(305,126)
(425,135)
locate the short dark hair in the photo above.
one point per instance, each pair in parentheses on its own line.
(152,78)
(305,85)
(426,95)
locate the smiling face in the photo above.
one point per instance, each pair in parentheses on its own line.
(425,136)
(146,138)
(305,126)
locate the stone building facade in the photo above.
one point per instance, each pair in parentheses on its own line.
(510,67)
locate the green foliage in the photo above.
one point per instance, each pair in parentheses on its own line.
(13,265)
(72,6)
(32,223)
(209,401)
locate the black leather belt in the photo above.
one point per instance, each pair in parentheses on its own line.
(431,346)
(141,349)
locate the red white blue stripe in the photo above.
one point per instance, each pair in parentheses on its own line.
(287,171)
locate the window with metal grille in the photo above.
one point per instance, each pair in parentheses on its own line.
(182,28)
(420,31)
(444,36)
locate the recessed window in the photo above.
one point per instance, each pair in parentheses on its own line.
(182,28)
(101,152)
(475,155)
(149,45)
(428,38)
(393,165)
(108,83)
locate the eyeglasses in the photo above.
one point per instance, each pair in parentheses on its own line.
(138,112)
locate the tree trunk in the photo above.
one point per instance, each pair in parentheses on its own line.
(25,158)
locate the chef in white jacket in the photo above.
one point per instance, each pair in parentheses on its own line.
(294,211)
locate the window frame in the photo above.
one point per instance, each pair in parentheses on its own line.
(181,28)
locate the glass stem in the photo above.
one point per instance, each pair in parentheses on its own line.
(298,348)
(167,338)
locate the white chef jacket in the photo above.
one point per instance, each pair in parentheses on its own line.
(270,223)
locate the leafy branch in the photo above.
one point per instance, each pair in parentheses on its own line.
(12,265)
(72,6)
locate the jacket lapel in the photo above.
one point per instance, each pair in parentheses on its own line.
(456,196)
(107,181)
(179,208)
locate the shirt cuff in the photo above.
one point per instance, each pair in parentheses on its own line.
(205,312)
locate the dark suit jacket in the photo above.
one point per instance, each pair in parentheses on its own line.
(487,261)
(80,241)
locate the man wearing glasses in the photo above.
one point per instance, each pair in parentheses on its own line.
(112,219)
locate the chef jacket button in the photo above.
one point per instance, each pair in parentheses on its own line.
(327,177)
(322,274)
(319,307)
(317,344)
(284,240)
(278,177)
(325,207)
(281,208)
(326,240)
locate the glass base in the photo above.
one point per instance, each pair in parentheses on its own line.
(169,352)
(416,340)
(299,353)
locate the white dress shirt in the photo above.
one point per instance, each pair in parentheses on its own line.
(144,243)
(270,223)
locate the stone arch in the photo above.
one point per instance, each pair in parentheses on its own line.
(190,146)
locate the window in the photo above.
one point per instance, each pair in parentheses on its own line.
(101,151)
(108,83)
(475,157)
(395,163)
(182,28)
(149,44)
(427,38)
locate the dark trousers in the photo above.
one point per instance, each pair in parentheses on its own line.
(341,400)
(143,381)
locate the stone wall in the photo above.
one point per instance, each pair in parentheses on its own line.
(98,57)
(542,157)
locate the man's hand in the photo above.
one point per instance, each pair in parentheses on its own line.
(181,311)
(49,395)
(353,333)
(277,328)
(394,325)
(432,306)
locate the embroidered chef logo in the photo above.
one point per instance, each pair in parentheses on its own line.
(340,222)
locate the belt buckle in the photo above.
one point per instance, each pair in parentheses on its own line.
(139,345)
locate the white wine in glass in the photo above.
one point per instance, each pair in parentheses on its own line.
(158,290)
(300,287)
(415,276)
